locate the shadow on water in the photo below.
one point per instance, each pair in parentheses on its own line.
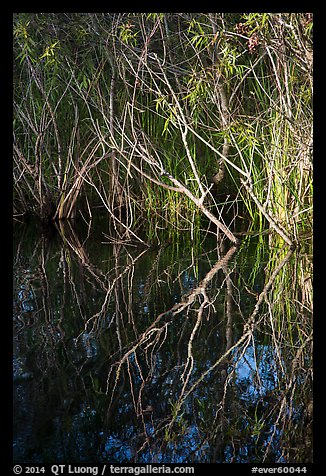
(177,354)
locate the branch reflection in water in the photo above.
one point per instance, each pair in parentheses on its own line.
(124,353)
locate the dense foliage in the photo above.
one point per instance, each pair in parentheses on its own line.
(165,123)
(164,114)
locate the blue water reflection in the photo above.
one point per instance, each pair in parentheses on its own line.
(257,371)
(101,360)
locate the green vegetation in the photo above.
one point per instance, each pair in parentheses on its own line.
(170,131)
(165,116)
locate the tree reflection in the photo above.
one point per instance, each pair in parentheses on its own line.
(124,354)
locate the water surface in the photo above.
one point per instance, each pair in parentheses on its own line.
(124,353)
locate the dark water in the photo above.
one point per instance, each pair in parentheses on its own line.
(108,367)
